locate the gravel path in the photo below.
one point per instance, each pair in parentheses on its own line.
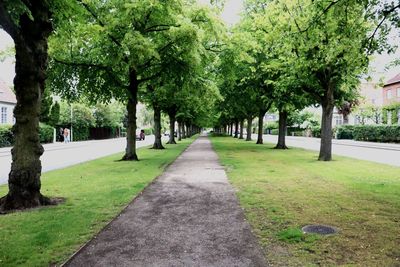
(188,217)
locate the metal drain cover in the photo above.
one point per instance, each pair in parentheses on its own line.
(319,229)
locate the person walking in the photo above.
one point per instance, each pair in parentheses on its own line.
(66,135)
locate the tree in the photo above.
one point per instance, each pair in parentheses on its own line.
(54,116)
(29,23)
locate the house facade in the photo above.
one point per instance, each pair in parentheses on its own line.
(391,91)
(7,104)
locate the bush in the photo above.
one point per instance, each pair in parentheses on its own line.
(377,133)
(345,132)
(316,131)
(7,137)
(45,133)
(275,131)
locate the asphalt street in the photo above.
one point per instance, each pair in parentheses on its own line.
(60,155)
(376,152)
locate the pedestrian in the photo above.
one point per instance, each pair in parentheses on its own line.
(142,135)
(66,135)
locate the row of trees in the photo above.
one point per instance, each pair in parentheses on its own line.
(159,52)
(288,55)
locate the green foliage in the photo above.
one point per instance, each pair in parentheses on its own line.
(291,235)
(7,138)
(109,115)
(272,125)
(377,133)
(6,135)
(82,119)
(394,110)
(345,132)
(46,133)
(148,131)
(54,116)
(45,106)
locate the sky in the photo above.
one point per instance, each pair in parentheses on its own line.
(231,15)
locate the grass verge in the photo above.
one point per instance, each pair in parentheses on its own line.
(95,192)
(282,191)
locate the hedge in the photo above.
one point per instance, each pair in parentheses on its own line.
(377,133)
(345,132)
(7,139)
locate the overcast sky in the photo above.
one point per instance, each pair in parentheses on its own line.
(230,15)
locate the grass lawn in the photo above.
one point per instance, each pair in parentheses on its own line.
(95,193)
(282,191)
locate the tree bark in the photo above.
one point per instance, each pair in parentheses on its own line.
(130,151)
(282,130)
(30,38)
(325,152)
(179,131)
(249,125)
(183,131)
(171,129)
(236,129)
(260,126)
(241,129)
(157,127)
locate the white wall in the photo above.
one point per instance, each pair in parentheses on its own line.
(10,115)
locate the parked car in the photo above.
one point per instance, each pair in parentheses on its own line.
(140,135)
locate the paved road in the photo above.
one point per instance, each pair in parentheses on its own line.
(377,152)
(188,217)
(60,155)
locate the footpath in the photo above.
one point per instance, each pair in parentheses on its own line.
(188,217)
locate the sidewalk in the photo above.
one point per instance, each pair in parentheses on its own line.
(188,217)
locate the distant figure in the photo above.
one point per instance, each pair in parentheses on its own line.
(66,135)
(61,134)
(142,135)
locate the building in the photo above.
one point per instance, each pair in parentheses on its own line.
(391,90)
(7,104)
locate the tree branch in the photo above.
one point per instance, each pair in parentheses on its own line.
(6,21)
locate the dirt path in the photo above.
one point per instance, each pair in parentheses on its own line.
(189,217)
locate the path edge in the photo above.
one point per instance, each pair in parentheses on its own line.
(70,258)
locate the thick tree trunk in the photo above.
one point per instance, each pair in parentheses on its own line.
(249,125)
(325,153)
(130,151)
(260,127)
(157,127)
(30,67)
(241,129)
(236,129)
(171,129)
(282,130)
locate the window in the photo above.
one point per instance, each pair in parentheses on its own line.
(389,94)
(3,115)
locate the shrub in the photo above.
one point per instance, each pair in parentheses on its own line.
(377,133)
(46,133)
(316,131)
(345,132)
(275,131)
(7,137)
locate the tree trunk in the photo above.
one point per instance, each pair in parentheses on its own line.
(157,127)
(345,119)
(260,127)
(282,130)
(183,131)
(30,68)
(325,152)
(236,129)
(249,125)
(171,129)
(241,129)
(130,151)
(179,131)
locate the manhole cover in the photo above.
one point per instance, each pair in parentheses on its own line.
(319,229)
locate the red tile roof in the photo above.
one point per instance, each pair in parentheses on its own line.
(6,95)
(395,79)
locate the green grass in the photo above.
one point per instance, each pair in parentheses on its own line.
(281,191)
(95,193)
